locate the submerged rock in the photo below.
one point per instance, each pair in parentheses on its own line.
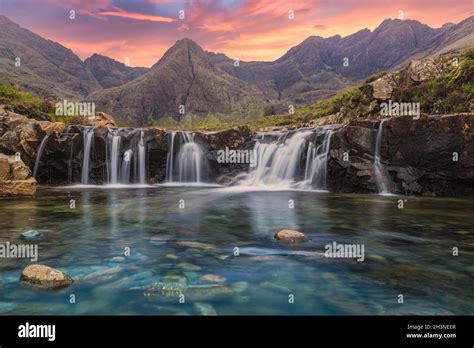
(45,277)
(193,292)
(29,235)
(213,278)
(204,309)
(291,236)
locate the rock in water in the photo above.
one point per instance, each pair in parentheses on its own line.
(29,235)
(291,236)
(204,308)
(45,277)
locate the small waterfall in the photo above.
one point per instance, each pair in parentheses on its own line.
(169,160)
(189,160)
(380,174)
(125,167)
(87,136)
(141,159)
(277,162)
(316,161)
(114,158)
(40,153)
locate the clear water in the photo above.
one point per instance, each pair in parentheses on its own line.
(408,251)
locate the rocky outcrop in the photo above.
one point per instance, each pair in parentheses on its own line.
(431,156)
(15,177)
(45,277)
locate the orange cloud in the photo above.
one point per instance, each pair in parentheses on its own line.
(137,16)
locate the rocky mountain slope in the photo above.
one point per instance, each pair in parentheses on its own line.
(110,73)
(183,76)
(44,67)
(315,68)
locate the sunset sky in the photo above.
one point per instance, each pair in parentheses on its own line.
(142,30)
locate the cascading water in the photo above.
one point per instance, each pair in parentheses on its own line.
(87,136)
(189,158)
(170,158)
(114,158)
(316,161)
(379,170)
(125,167)
(277,162)
(40,153)
(141,159)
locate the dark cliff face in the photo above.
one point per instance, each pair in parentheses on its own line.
(418,155)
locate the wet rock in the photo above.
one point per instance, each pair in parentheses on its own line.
(204,309)
(188,266)
(175,279)
(118,259)
(45,277)
(192,292)
(290,236)
(239,286)
(172,256)
(103,275)
(30,235)
(213,278)
(195,245)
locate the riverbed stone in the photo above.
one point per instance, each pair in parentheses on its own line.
(204,308)
(213,278)
(291,236)
(30,235)
(45,277)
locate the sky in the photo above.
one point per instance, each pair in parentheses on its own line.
(140,31)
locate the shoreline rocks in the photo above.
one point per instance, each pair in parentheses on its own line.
(45,277)
(15,177)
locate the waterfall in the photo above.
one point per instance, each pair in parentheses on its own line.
(169,160)
(114,158)
(316,161)
(125,167)
(277,162)
(39,154)
(189,157)
(189,160)
(380,174)
(141,159)
(87,136)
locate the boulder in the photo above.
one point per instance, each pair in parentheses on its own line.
(291,236)
(45,277)
(15,177)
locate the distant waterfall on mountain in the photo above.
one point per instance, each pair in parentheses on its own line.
(280,155)
(189,161)
(88,138)
(380,174)
(39,154)
(141,159)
